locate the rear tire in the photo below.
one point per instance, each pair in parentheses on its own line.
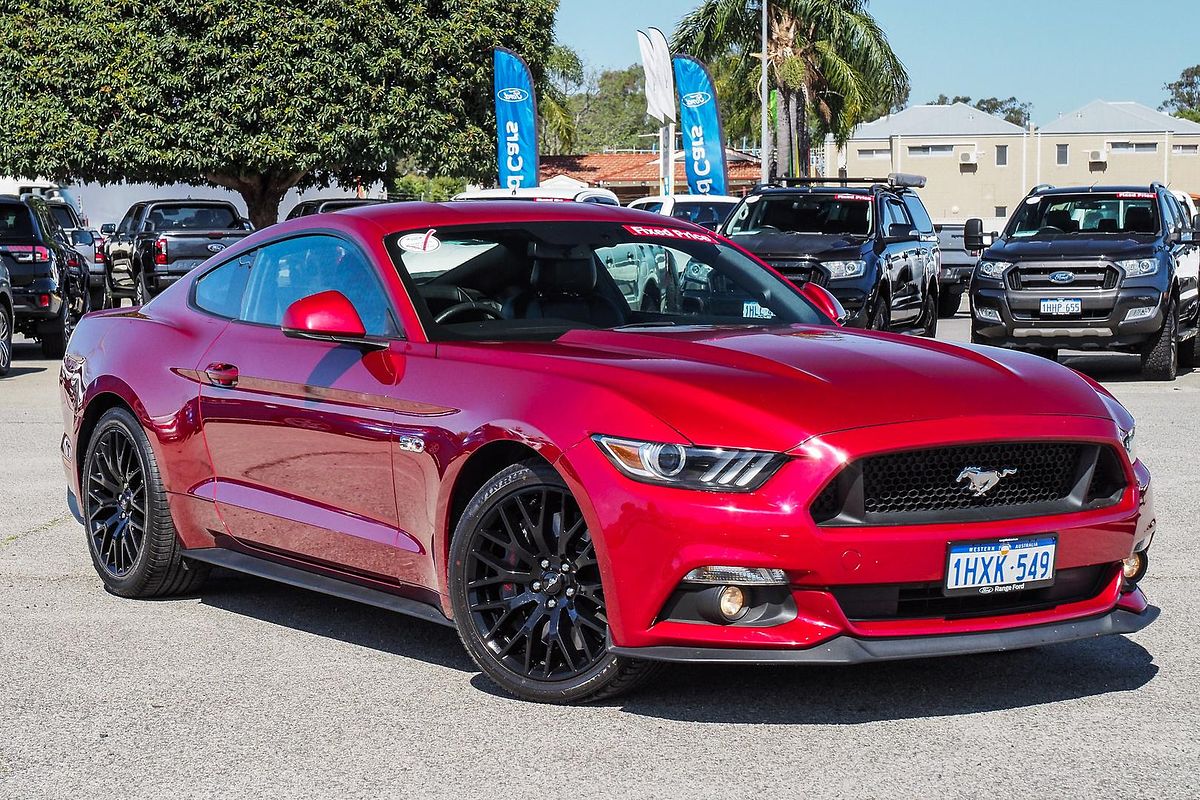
(929,313)
(1189,352)
(1160,359)
(141,294)
(526,592)
(54,336)
(130,533)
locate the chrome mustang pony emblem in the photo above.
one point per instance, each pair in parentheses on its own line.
(980,481)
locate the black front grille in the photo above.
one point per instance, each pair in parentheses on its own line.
(1088,277)
(996,480)
(800,271)
(925,600)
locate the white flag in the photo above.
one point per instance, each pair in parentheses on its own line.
(660,79)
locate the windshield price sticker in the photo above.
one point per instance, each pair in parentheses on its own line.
(670,233)
(1139,195)
(861,197)
(420,242)
(752,310)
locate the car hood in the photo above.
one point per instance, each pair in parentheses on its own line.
(1069,248)
(774,388)
(769,244)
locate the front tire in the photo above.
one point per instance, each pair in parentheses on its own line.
(880,316)
(948,303)
(526,592)
(141,294)
(1160,360)
(6,334)
(929,313)
(130,533)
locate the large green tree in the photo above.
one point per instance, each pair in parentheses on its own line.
(827,58)
(257,96)
(1183,95)
(610,112)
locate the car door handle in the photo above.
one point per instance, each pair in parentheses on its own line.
(222,374)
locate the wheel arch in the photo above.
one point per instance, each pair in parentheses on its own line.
(100,404)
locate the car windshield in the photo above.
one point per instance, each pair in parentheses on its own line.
(536,281)
(828,213)
(193,218)
(1088,214)
(702,212)
(64,216)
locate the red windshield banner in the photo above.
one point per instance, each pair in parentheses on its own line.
(670,233)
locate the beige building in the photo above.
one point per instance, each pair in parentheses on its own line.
(979,165)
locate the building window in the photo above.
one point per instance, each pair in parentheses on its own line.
(1001,212)
(871,153)
(926,150)
(1185,149)
(1001,158)
(1133,147)
(1061,154)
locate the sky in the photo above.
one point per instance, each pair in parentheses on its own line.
(1057,54)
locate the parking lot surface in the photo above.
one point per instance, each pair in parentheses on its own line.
(253,689)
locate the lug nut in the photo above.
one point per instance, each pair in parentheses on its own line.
(545,563)
(551,602)
(570,591)
(566,567)
(537,586)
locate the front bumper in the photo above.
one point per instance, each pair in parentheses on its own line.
(1102,325)
(651,536)
(855,650)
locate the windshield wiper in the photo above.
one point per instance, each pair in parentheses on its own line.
(662,323)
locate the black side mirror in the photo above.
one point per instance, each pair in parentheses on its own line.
(899,231)
(82,238)
(108,229)
(973,235)
(146,227)
(1196,223)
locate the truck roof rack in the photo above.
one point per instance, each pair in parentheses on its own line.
(896,179)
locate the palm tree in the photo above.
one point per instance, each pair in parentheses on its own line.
(564,75)
(828,59)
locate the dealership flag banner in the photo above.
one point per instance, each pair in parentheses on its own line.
(700,123)
(656,61)
(516,121)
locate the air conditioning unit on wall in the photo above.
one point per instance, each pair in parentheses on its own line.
(1097,157)
(968,157)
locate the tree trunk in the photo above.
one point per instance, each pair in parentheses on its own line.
(783,136)
(262,193)
(802,139)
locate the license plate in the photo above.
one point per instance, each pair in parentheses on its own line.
(1062,306)
(1007,565)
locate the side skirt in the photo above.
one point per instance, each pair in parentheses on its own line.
(262,568)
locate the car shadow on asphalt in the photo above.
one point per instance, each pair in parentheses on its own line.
(1110,367)
(335,618)
(15,372)
(894,690)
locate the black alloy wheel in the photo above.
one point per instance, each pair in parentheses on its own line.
(117,501)
(527,595)
(130,533)
(6,334)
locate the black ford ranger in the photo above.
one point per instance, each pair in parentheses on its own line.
(869,241)
(1092,268)
(158,242)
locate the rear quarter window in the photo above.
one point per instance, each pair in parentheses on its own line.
(15,221)
(219,291)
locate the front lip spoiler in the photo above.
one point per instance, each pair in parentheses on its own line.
(853,650)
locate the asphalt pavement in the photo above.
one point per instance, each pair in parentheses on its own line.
(252,689)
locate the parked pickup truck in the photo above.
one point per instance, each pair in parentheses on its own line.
(159,241)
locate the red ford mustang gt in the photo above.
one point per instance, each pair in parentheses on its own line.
(593,441)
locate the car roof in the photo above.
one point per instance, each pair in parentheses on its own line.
(865,190)
(534,192)
(1145,188)
(720,198)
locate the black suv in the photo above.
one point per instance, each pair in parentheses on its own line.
(1092,268)
(49,277)
(869,241)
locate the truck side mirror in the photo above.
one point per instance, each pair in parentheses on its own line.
(973,235)
(1196,223)
(108,229)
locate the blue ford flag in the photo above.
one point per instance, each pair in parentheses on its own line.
(700,124)
(516,122)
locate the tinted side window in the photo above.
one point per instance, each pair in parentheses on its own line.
(893,214)
(287,271)
(15,221)
(1173,214)
(916,210)
(219,291)
(127,221)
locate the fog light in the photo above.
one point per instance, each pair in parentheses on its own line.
(1142,312)
(731,602)
(1134,567)
(990,314)
(761,576)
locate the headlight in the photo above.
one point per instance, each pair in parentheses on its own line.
(715,469)
(844,269)
(1127,437)
(993,269)
(1135,268)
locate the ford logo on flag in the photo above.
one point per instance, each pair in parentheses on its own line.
(695,99)
(1062,276)
(513,95)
